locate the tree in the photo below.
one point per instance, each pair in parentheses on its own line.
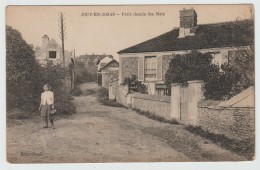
(22,71)
(190,66)
(242,64)
(84,74)
(219,84)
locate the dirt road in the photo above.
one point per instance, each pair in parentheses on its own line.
(98,133)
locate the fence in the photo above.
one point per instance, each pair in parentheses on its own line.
(161,89)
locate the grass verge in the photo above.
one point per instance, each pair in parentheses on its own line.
(76,91)
(155,117)
(244,148)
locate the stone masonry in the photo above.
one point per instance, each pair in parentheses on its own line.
(129,67)
(236,123)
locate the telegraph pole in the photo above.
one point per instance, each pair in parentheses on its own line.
(62,38)
(74,56)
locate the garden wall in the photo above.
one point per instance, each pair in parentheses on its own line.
(157,105)
(236,123)
(120,93)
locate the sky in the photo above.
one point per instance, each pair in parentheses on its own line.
(110,34)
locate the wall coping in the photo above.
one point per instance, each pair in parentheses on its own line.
(195,81)
(166,99)
(175,84)
(211,104)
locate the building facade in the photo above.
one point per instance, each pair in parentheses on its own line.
(108,72)
(149,61)
(51,51)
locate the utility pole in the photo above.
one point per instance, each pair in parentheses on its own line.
(62,38)
(73,70)
(74,56)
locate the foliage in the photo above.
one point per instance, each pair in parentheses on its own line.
(22,71)
(190,66)
(220,87)
(84,74)
(76,91)
(242,63)
(219,84)
(102,94)
(102,97)
(25,77)
(134,84)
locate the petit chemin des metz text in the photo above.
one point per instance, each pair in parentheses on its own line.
(123,14)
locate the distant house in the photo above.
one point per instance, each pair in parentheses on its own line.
(108,72)
(91,60)
(149,60)
(51,51)
(104,61)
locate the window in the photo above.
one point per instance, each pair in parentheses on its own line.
(150,67)
(52,54)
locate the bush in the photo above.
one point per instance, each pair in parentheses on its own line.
(134,84)
(25,77)
(102,94)
(76,91)
(102,97)
(22,72)
(83,74)
(219,84)
(64,105)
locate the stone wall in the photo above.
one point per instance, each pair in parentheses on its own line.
(107,75)
(236,123)
(157,105)
(121,94)
(129,67)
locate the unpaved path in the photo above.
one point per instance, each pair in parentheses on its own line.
(98,133)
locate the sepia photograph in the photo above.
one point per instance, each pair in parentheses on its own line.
(130,83)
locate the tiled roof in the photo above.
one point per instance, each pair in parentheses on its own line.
(244,99)
(228,34)
(104,65)
(53,44)
(93,58)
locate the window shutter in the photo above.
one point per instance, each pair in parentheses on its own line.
(159,68)
(141,69)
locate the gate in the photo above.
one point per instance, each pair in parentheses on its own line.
(99,79)
(184,96)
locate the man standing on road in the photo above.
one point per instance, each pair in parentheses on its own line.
(47,103)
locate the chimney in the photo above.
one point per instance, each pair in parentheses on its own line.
(188,22)
(188,18)
(45,41)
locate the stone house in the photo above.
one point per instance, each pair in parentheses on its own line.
(51,51)
(149,60)
(108,72)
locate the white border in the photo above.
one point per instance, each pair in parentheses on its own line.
(112,166)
